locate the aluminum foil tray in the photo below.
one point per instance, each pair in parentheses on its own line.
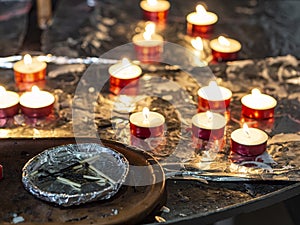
(76,173)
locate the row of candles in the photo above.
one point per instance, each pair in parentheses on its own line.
(200,24)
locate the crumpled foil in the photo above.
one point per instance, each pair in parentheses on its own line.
(40,173)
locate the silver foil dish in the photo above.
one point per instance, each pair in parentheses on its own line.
(76,173)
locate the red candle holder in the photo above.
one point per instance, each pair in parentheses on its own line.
(248,143)
(29,70)
(1,172)
(148,51)
(124,77)
(203,145)
(9,103)
(37,103)
(258,106)
(155,11)
(143,126)
(214,98)
(27,86)
(208,125)
(225,49)
(265,124)
(130,90)
(201,23)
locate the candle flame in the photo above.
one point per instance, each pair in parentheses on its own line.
(27,59)
(146,113)
(152,2)
(149,31)
(125,62)
(200,10)
(209,115)
(197,43)
(223,41)
(213,84)
(2,90)
(246,129)
(255,92)
(35,89)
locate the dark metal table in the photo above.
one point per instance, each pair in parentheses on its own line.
(265,29)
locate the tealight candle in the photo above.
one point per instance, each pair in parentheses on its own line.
(201,22)
(225,49)
(29,70)
(148,45)
(37,103)
(257,105)
(214,98)
(146,124)
(208,125)
(248,141)
(155,10)
(9,103)
(124,75)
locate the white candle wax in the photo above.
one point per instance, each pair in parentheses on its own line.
(29,65)
(155,40)
(154,119)
(252,137)
(213,92)
(8,98)
(202,17)
(209,121)
(225,45)
(125,70)
(258,101)
(155,6)
(36,98)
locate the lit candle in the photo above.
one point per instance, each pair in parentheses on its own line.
(248,141)
(214,97)
(37,103)
(225,49)
(146,124)
(208,125)
(155,10)
(9,103)
(201,22)
(124,75)
(257,105)
(29,70)
(148,45)
(197,44)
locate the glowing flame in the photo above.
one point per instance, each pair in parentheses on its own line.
(223,41)
(255,92)
(35,89)
(2,91)
(200,10)
(246,129)
(197,43)
(125,62)
(27,59)
(213,84)
(152,2)
(146,113)
(149,31)
(209,115)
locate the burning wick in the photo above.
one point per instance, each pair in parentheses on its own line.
(255,92)
(223,41)
(27,59)
(197,43)
(149,31)
(209,115)
(246,130)
(146,112)
(152,2)
(200,10)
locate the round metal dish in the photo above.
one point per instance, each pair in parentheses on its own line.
(76,173)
